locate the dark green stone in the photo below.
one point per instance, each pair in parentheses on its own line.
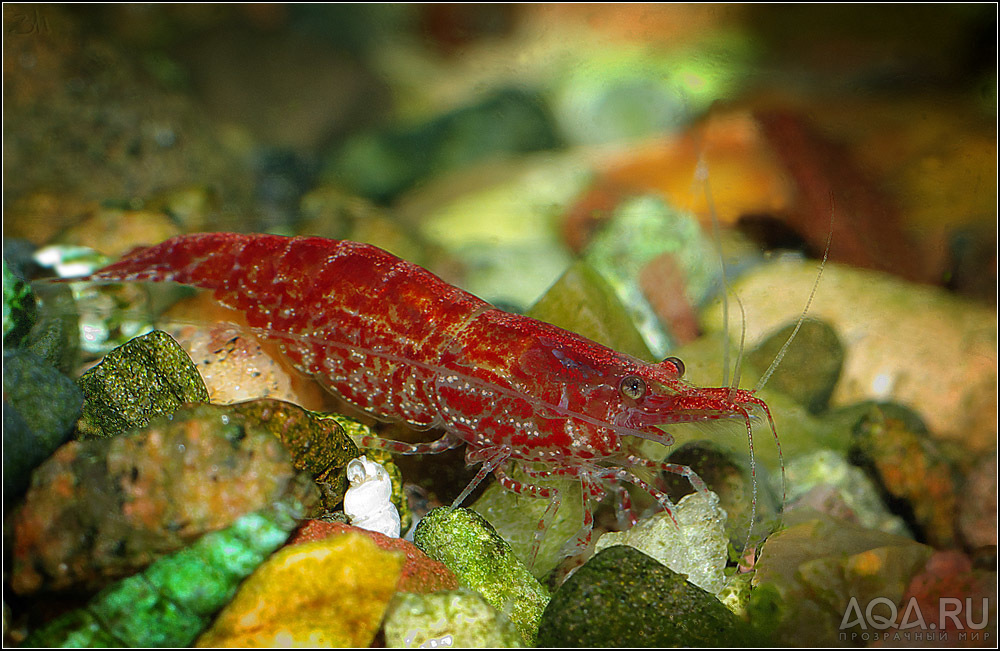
(40,406)
(146,377)
(623,598)
(809,371)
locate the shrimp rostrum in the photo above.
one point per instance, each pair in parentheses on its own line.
(402,344)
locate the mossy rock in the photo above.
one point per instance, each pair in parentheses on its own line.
(624,598)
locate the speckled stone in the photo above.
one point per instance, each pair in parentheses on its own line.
(470,547)
(149,376)
(101,509)
(910,468)
(320,446)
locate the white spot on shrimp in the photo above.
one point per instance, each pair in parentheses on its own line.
(367,501)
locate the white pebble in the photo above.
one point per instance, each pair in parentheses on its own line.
(367,502)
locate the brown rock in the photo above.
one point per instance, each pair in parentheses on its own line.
(101,509)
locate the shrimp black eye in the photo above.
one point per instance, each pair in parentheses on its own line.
(678,364)
(633,387)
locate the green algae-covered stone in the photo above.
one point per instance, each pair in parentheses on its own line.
(40,406)
(148,376)
(516,519)
(457,618)
(470,547)
(623,598)
(175,598)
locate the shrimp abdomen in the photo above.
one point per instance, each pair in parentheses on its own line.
(367,324)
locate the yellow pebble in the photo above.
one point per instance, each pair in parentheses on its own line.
(328,593)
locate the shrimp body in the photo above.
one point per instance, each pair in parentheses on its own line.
(402,344)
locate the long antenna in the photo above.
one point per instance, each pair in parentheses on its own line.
(737,368)
(701,174)
(822,265)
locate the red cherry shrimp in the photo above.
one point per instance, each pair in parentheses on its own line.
(400,343)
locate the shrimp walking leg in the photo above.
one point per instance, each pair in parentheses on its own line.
(540,492)
(446,442)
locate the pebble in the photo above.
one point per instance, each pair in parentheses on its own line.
(465,542)
(454,618)
(327,593)
(147,377)
(420,572)
(103,508)
(40,407)
(978,505)
(809,369)
(624,598)
(695,544)
(807,574)
(826,482)
(235,364)
(317,445)
(909,466)
(380,165)
(908,343)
